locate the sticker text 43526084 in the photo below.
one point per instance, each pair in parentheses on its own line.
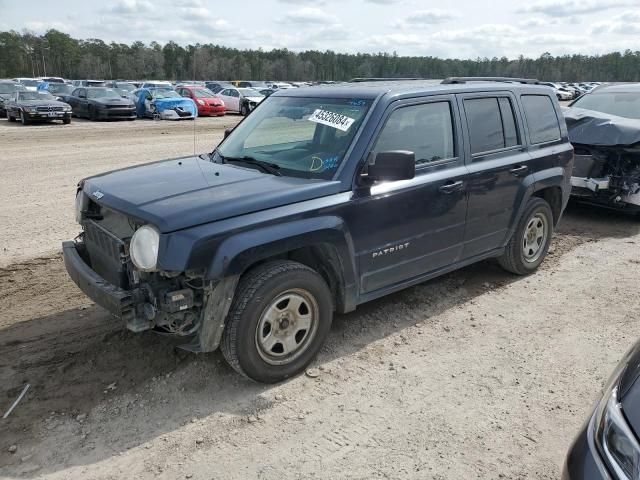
(332,119)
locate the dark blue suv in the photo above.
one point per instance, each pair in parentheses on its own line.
(322,199)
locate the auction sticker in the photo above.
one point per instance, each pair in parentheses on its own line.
(331,119)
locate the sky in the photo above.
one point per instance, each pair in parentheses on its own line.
(460,29)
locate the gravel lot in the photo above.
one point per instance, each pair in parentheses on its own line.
(477,374)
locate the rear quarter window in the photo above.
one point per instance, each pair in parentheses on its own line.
(541,118)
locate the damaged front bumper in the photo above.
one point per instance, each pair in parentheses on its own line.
(117,301)
(145,307)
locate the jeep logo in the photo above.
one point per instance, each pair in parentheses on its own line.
(388,250)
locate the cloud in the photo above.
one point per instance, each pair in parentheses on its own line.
(555,8)
(429,17)
(130,7)
(309,15)
(627,23)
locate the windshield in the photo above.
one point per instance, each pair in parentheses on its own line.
(30,83)
(622,104)
(35,96)
(164,93)
(129,87)
(10,87)
(203,93)
(102,93)
(61,88)
(305,137)
(250,92)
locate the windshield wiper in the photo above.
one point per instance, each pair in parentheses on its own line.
(272,168)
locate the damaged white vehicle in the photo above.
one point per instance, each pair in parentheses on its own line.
(604,128)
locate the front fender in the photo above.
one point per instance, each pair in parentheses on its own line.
(239,252)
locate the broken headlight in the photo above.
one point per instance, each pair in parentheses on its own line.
(81,205)
(144,248)
(614,438)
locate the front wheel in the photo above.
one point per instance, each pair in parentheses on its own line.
(24,118)
(530,241)
(278,321)
(244,110)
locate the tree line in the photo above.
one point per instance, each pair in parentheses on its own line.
(25,54)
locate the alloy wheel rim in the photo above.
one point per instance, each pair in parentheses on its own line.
(535,238)
(287,326)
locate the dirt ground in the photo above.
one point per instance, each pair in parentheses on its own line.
(477,374)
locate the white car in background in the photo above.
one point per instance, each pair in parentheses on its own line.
(30,84)
(240,100)
(561,92)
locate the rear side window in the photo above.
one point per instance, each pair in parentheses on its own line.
(492,125)
(541,118)
(426,130)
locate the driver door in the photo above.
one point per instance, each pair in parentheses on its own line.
(406,230)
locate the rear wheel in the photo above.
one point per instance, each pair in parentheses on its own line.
(278,321)
(530,242)
(244,110)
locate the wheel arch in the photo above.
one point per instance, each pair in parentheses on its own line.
(323,244)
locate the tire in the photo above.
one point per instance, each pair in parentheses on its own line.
(251,339)
(526,249)
(66,121)
(11,118)
(24,119)
(244,110)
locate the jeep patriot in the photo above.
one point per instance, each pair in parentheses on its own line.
(321,199)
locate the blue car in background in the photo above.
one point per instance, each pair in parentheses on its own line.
(164,103)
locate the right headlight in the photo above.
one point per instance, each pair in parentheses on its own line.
(613,436)
(80,205)
(144,248)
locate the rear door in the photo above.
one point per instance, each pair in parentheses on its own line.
(406,229)
(499,167)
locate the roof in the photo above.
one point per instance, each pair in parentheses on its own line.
(372,90)
(617,88)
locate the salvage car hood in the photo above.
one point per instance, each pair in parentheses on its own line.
(588,127)
(41,103)
(185,192)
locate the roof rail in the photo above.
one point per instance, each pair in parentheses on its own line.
(490,79)
(383,79)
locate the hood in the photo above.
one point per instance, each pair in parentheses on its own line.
(172,102)
(255,99)
(111,101)
(182,193)
(588,127)
(41,103)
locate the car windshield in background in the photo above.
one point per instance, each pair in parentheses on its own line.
(250,92)
(29,83)
(35,96)
(303,137)
(10,87)
(61,88)
(203,93)
(129,87)
(102,93)
(622,104)
(164,93)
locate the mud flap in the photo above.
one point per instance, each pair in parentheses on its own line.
(214,313)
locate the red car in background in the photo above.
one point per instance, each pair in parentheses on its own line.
(206,101)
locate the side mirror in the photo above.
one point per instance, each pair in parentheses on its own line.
(227,132)
(393,165)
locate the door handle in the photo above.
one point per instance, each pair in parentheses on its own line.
(520,170)
(452,187)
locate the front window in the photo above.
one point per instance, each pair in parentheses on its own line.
(164,93)
(304,137)
(35,96)
(203,93)
(250,92)
(621,104)
(102,93)
(29,83)
(129,87)
(10,87)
